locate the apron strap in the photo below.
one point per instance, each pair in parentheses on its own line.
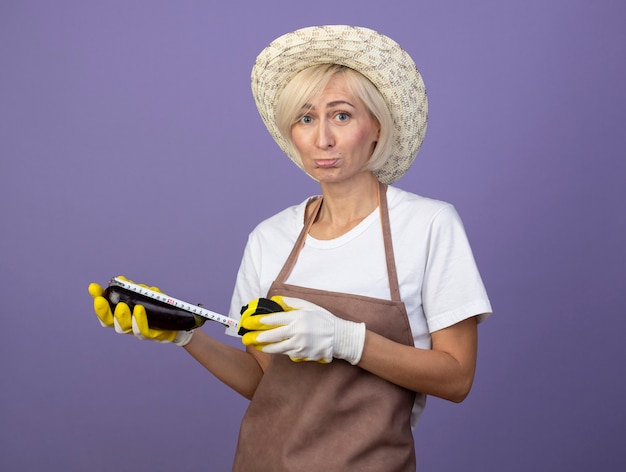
(386,228)
(297,247)
(394,287)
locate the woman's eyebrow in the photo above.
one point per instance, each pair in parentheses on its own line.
(334,103)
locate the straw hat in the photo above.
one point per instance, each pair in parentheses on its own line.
(374,55)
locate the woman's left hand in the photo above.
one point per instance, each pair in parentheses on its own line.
(307,332)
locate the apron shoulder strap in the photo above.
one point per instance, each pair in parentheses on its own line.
(394,287)
(297,247)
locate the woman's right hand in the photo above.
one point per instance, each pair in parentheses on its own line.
(136,322)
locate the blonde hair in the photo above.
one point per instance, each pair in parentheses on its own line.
(310,82)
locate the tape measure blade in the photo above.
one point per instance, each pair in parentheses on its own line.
(163,298)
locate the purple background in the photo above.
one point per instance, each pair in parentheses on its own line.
(130,144)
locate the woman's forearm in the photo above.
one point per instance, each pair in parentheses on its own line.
(445,371)
(235,367)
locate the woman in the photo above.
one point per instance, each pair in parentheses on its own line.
(373,320)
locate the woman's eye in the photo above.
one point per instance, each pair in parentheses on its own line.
(305,119)
(343,116)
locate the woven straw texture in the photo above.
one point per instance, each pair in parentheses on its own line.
(374,55)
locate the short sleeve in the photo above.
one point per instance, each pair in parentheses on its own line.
(246,286)
(266,250)
(452,290)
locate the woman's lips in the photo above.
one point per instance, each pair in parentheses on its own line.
(325,163)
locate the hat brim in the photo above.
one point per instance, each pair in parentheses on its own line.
(374,55)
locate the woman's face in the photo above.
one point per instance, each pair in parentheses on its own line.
(336,134)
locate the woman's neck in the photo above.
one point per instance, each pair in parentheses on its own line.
(345,206)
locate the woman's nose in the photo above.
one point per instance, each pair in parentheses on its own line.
(325,137)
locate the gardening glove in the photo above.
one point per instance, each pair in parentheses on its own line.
(136,322)
(307,332)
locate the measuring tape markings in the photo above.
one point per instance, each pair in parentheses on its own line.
(161,297)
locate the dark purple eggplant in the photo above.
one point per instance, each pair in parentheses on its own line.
(160,314)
